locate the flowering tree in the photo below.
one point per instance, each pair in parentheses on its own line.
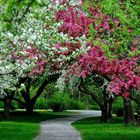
(102,56)
(26,46)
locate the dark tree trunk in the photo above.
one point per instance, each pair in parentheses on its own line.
(7,103)
(29,108)
(104,108)
(106,111)
(109,110)
(128,111)
(104,114)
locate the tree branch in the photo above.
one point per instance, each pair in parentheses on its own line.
(27,9)
(85,91)
(51,78)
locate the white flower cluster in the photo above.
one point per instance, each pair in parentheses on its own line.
(71,2)
(33,29)
(72,83)
(8,76)
(82,40)
(75,2)
(60,84)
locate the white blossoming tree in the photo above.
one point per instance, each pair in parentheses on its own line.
(28,42)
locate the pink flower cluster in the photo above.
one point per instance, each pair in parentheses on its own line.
(75,22)
(120,73)
(124,76)
(31,54)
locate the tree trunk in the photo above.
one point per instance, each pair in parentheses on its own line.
(128,111)
(109,110)
(103,114)
(29,108)
(7,108)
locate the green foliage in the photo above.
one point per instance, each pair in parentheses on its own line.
(127,12)
(12,10)
(93,105)
(14,105)
(76,105)
(59,102)
(117,104)
(1,104)
(41,103)
(49,90)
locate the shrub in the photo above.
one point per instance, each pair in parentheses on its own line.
(1,104)
(14,105)
(93,105)
(59,102)
(117,104)
(41,103)
(74,104)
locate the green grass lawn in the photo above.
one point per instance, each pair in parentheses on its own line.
(22,127)
(93,129)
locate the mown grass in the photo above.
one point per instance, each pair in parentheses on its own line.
(93,129)
(24,127)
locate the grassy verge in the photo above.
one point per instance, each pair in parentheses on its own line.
(22,127)
(93,129)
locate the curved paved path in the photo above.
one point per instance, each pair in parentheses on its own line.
(61,129)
